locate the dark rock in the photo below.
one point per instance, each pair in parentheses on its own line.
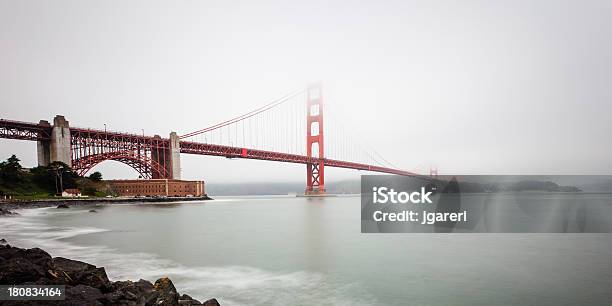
(23,265)
(83,295)
(19,270)
(140,287)
(39,257)
(186,297)
(77,272)
(6,251)
(188,300)
(151,298)
(128,292)
(63,206)
(50,280)
(86,284)
(6,212)
(211,302)
(122,298)
(93,211)
(3,241)
(167,294)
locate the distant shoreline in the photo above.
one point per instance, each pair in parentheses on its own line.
(40,203)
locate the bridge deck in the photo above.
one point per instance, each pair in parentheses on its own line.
(11,129)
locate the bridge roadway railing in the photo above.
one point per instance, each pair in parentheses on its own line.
(188,147)
(12,129)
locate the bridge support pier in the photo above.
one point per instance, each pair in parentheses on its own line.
(43,147)
(58,148)
(175,157)
(168,158)
(43,151)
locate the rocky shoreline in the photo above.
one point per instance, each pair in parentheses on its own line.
(24,204)
(85,284)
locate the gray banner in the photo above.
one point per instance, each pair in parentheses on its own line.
(486,204)
(32,292)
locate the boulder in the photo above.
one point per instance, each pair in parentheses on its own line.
(23,265)
(6,251)
(18,270)
(39,257)
(166,292)
(93,211)
(211,302)
(188,300)
(36,255)
(123,298)
(6,212)
(140,287)
(63,206)
(129,293)
(76,272)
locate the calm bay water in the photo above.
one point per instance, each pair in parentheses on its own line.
(299,251)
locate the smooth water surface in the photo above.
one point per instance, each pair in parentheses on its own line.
(300,251)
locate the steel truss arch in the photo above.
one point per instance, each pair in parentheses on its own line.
(143,164)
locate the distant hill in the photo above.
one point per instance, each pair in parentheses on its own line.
(552,183)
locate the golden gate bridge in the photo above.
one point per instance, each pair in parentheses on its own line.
(273,132)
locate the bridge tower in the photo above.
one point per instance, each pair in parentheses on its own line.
(315,172)
(58,147)
(433,172)
(175,156)
(169,158)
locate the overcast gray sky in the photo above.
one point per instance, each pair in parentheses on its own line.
(468,86)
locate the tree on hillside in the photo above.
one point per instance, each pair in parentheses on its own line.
(13,162)
(66,178)
(55,177)
(96,176)
(44,178)
(11,171)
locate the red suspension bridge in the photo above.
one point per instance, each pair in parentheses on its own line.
(274,132)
